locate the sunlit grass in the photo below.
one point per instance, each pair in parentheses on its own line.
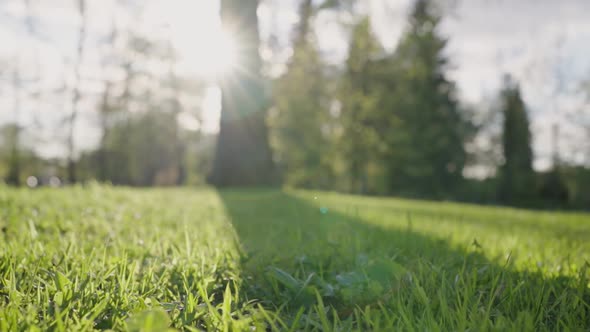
(197,259)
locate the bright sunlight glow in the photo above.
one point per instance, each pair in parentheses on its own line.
(195,29)
(221,60)
(205,50)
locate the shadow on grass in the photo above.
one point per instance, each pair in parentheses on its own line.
(298,254)
(501,218)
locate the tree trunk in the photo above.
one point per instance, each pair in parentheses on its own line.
(106,109)
(243,156)
(71,168)
(14,170)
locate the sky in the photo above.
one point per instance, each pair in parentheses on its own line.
(544,44)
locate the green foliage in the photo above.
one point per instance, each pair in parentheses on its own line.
(102,258)
(426,129)
(517,183)
(553,188)
(336,4)
(361,141)
(17,162)
(144,150)
(10,141)
(576,179)
(300,122)
(198,151)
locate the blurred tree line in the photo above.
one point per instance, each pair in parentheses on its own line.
(137,111)
(383,123)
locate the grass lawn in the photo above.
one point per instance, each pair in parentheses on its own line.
(257,260)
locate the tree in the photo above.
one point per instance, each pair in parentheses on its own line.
(13,133)
(360,141)
(129,152)
(516,174)
(76,94)
(106,109)
(149,159)
(30,22)
(553,188)
(427,129)
(243,155)
(582,119)
(300,135)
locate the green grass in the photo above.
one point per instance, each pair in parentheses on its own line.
(197,259)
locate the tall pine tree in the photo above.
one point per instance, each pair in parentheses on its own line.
(243,156)
(300,118)
(517,183)
(427,132)
(360,141)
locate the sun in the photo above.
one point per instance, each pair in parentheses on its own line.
(222,58)
(205,49)
(209,56)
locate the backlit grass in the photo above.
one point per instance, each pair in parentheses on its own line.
(98,257)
